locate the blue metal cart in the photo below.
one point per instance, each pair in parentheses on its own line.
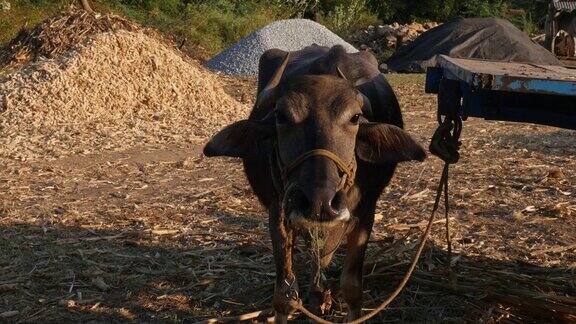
(504,91)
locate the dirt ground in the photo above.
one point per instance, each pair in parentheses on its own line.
(162,234)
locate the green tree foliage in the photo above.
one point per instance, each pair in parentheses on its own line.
(438,10)
(342,18)
(445,10)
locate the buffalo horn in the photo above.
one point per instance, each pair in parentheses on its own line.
(268,94)
(340,73)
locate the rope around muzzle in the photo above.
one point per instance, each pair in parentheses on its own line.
(348,169)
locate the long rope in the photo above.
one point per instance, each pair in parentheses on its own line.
(442,186)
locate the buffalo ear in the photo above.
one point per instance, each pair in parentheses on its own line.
(246,138)
(382,143)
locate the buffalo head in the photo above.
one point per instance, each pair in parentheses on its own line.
(313,136)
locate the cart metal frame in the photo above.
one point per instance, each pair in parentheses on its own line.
(505,91)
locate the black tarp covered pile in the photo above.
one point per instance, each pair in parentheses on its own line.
(479,38)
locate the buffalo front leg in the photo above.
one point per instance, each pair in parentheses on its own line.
(351,279)
(286,286)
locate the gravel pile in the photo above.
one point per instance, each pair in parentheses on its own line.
(290,35)
(118,89)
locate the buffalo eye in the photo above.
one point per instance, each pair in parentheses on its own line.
(355,119)
(281,117)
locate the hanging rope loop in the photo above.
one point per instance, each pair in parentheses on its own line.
(445,142)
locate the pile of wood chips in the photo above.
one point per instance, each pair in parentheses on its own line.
(114,89)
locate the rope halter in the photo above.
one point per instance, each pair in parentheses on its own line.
(348,169)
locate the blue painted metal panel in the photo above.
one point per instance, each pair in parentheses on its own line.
(514,77)
(550,110)
(492,92)
(504,83)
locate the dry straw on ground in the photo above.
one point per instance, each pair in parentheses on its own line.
(59,34)
(120,87)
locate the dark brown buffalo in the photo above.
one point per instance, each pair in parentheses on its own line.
(319,98)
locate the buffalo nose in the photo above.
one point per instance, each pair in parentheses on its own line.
(325,204)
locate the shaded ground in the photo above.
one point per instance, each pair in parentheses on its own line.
(161,234)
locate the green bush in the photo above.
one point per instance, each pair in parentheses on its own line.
(214,28)
(210,24)
(347,17)
(26,13)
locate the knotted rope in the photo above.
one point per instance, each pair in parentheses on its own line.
(349,170)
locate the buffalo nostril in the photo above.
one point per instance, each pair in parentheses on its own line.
(337,201)
(331,207)
(318,203)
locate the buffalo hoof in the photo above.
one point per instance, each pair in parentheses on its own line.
(320,301)
(284,302)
